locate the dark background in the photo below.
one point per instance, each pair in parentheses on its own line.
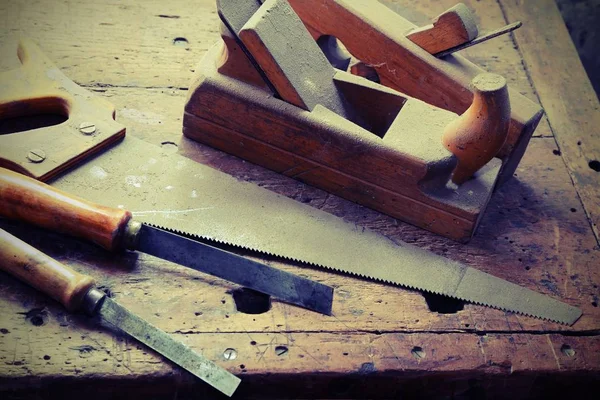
(582,18)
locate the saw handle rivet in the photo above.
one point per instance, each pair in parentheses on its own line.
(230,354)
(87,128)
(36,156)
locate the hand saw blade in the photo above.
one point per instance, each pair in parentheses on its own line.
(179,194)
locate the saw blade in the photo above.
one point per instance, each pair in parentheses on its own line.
(176,193)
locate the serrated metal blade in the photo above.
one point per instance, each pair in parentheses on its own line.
(370,255)
(202,201)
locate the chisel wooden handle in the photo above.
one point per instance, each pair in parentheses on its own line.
(28,200)
(43,272)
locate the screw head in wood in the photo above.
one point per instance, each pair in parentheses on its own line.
(230,354)
(281,350)
(36,156)
(87,128)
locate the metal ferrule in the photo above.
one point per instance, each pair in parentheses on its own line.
(92,301)
(131,234)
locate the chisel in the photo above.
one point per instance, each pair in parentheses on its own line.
(76,292)
(28,200)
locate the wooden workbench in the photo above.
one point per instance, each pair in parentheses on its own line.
(540,230)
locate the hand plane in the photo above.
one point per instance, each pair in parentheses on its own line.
(427,144)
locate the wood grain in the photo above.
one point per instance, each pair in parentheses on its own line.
(574,115)
(534,232)
(27,200)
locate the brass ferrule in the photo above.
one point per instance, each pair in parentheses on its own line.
(131,234)
(92,301)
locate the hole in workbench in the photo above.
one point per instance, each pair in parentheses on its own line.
(37,316)
(443,304)
(250,301)
(595,165)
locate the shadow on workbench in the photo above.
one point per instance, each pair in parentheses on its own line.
(366,383)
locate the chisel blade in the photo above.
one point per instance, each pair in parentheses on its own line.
(170,348)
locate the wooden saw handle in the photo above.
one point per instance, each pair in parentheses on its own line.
(38,87)
(43,272)
(25,199)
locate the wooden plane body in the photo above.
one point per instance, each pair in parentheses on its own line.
(395,163)
(428,144)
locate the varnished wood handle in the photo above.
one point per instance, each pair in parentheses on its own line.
(28,200)
(480,132)
(43,272)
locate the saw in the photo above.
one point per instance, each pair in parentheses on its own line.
(210,205)
(174,192)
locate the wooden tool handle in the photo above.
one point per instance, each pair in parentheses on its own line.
(452,28)
(28,200)
(480,132)
(43,272)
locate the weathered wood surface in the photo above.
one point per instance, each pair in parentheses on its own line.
(566,94)
(382,341)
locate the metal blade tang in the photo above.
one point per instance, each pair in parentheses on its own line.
(234,268)
(161,342)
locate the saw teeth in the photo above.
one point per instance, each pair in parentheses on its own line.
(209,240)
